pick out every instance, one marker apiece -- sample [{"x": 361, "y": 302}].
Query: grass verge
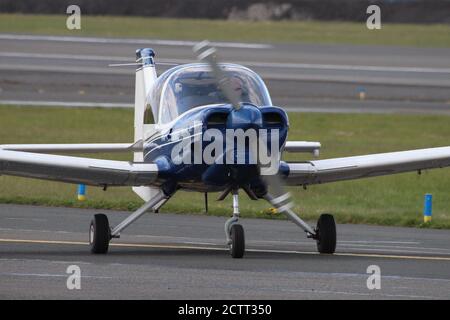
[
  {"x": 392, "y": 200},
  {"x": 433, "y": 35}
]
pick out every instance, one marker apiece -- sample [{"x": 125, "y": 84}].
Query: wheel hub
[{"x": 91, "y": 234}]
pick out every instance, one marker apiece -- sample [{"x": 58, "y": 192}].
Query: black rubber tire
[
  {"x": 326, "y": 234},
  {"x": 237, "y": 247},
  {"x": 99, "y": 234}
]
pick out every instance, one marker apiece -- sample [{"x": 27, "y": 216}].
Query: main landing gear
[
  {"x": 325, "y": 231},
  {"x": 100, "y": 232},
  {"x": 326, "y": 234}
]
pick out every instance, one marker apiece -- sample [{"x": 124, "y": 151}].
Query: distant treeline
[{"x": 404, "y": 11}]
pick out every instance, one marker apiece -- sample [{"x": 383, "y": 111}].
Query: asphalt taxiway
[
  {"x": 169, "y": 256},
  {"x": 71, "y": 71},
  {"x": 166, "y": 256}
]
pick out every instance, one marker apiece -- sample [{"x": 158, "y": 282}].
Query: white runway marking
[
  {"x": 305, "y": 274},
  {"x": 381, "y": 242},
  {"x": 375, "y": 294},
  {"x": 64, "y": 56},
  {"x": 67, "y": 104},
  {"x": 47, "y": 275},
  {"x": 346, "y": 67},
  {"x": 403, "y": 251},
  {"x": 45, "y": 261},
  {"x": 24, "y": 37},
  {"x": 374, "y": 247},
  {"x": 32, "y": 230},
  {"x": 26, "y": 219},
  {"x": 283, "y": 65},
  {"x": 66, "y": 69},
  {"x": 205, "y": 248},
  {"x": 266, "y": 73},
  {"x": 389, "y": 247}
]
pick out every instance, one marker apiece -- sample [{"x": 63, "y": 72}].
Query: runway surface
[
  {"x": 301, "y": 77},
  {"x": 166, "y": 256}
]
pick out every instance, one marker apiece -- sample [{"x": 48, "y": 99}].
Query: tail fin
[
  {"x": 145, "y": 79},
  {"x": 143, "y": 114}
]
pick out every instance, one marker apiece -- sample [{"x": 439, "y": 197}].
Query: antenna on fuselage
[{"x": 140, "y": 64}]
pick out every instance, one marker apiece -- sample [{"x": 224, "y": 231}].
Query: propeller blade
[
  {"x": 208, "y": 54},
  {"x": 276, "y": 192}
]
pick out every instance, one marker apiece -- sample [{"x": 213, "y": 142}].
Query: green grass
[
  {"x": 391, "y": 200},
  {"x": 433, "y": 35}
]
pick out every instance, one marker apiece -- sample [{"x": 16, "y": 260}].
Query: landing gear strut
[
  {"x": 100, "y": 232},
  {"x": 235, "y": 232},
  {"x": 325, "y": 232}
]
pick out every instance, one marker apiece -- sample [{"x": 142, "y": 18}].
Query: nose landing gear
[{"x": 234, "y": 232}]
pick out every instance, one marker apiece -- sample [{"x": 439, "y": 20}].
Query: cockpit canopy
[{"x": 188, "y": 86}]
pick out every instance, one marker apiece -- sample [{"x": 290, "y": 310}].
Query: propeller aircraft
[{"x": 207, "y": 127}]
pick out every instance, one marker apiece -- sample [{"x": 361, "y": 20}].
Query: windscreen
[{"x": 193, "y": 86}]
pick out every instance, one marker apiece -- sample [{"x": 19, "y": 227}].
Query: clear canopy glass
[{"x": 185, "y": 87}]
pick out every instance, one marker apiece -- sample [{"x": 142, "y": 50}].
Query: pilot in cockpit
[
  {"x": 199, "y": 91},
  {"x": 237, "y": 85}
]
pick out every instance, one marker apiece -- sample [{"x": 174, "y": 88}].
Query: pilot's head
[
  {"x": 239, "y": 88},
  {"x": 237, "y": 84}
]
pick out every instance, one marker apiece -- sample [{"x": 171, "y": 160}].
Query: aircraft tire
[
  {"x": 237, "y": 247},
  {"x": 326, "y": 234},
  {"x": 99, "y": 234}
]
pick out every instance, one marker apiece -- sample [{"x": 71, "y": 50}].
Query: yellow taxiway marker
[{"x": 168, "y": 246}]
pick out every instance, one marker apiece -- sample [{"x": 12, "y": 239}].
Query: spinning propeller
[
  {"x": 275, "y": 191},
  {"x": 208, "y": 54}
]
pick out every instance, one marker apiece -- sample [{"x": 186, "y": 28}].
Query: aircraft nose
[{"x": 248, "y": 116}]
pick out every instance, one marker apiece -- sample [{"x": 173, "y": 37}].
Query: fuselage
[
  {"x": 201, "y": 142},
  {"x": 191, "y": 130}
]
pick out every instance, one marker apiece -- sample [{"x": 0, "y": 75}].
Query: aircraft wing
[
  {"x": 330, "y": 170},
  {"x": 75, "y": 147},
  {"x": 76, "y": 169}
]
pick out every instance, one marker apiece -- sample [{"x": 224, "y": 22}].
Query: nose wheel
[
  {"x": 234, "y": 232},
  {"x": 99, "y": 234},
  {"x": 326, "y": 234},
  {"x": 237, "y": 245}
]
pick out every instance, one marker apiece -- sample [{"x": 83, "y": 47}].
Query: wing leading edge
[
  {"x": 75, "y": 147},
  {"x": 76, "y": 169},
  {"x": 356, "y": 167}
]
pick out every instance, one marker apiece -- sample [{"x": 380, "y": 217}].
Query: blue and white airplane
[{"x": 186, "y": 101}]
